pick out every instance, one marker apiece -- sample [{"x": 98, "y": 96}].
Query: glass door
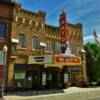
[
  {"x": 29, "y": 76},
  {"x": 35, "y": 80}
]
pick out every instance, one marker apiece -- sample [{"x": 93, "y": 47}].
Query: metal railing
[{"x": 29, "y": 92}]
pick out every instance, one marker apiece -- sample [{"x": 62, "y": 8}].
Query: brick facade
[{"x": 33, "y": 24}]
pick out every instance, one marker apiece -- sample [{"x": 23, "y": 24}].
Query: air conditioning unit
[
  {"x": 30, "y": 22},
  {"x": 23, "y": 20},
  {"x": 14, "y": 40},
  {"x": 16, "y": 18},
  {"x": 42, "y": 44}
]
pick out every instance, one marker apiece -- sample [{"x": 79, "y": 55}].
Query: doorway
[
  {"x": 35, "y": 82},
  {"x": 32, "y": 79},
  {"x": 54, "y": 78}
]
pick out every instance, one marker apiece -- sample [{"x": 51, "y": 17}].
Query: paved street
[
  {"x": 87, "y": 95},
  {"x": 82, "y": 96},
  {"x": 79, "y": 96}
]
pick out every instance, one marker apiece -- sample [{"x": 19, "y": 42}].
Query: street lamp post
[
  {"x": 84, "y": 77},
  {"x": 5, "y": 49}
]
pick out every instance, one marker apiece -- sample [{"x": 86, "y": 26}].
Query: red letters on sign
[
  {"x": 67, "y": 59},
  {"x": 63, "y": 32}
]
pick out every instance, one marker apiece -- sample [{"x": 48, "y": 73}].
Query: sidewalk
[{"x": 70, "y": 90}]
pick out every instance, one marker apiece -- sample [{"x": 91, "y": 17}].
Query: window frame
[
  {"x": 5, "y": 30},
  {"x": 57, "y": 47},
  {"x": 49, "y": 45},
  {"x": 24, "y": 45},
  {"x": 37, "y": 46}
]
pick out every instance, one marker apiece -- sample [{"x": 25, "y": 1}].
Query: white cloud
[
  {"x": 85, "y": 12},
  {"x": 81, "y": 13},
  {"x": 56, "y": 8},
  {"x": 90, "y": 38},
  {"x": 87, "y": 39}
]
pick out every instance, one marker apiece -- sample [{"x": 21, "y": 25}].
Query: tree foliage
[{"x": 93, "y": 61}]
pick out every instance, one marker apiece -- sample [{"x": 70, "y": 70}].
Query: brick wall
[{"x": 43, "y": 31}]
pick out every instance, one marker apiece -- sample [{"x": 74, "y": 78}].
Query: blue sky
[{"x": 78, "y": 11}]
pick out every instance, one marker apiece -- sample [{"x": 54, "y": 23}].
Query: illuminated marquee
[{"x": 68, "y": 60}]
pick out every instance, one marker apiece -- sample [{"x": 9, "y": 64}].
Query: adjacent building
[
  {"x": 44, "y": 56},
  {"x": 6, "y": 17}
]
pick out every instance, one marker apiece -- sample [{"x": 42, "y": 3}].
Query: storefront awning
[{"x": 53, "y": 65}]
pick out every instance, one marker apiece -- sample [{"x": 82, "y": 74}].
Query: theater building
[
  {"x": 6, "y": 16},
  {"x": 39, "y": 52}
]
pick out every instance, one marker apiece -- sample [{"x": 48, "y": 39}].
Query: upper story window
[
  {"x": 48, "y": 46},
  {"x": 78, "y": 49},
  {"x": 35, "y": 42},
  {"x": 2, "y": 30},
  {"x": 57, "y": 47},
  {"x": 71, "y": 47},
  {"x": 22, "y": 40}
]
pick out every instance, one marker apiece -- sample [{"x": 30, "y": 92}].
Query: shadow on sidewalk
[{"x": 32, "y": 92}]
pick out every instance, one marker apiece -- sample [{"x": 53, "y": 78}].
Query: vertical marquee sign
[{"x": 63, "y": 31}]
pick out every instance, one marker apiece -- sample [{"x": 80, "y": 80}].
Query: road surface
[
  {"x": 94, "y": 95},
  {"x": 71, "y": 93}
]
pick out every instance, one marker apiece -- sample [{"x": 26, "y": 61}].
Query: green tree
[{"x": 93, "y": 61}]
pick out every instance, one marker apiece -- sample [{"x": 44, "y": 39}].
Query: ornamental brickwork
[{"x": 32, "y": 24}]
